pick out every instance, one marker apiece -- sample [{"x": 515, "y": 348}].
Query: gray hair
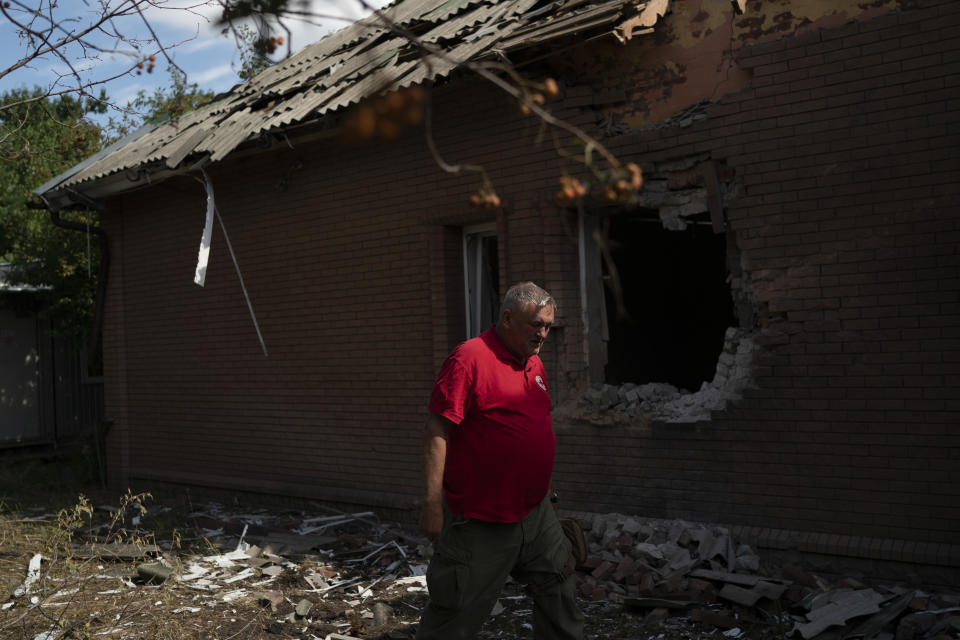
[{"x": 520, "y": 295}]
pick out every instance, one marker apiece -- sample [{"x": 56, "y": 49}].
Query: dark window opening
[{"x": 676, "y": 297}]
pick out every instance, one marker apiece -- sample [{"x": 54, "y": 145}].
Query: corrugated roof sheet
[{"x": 347, "y": 66}]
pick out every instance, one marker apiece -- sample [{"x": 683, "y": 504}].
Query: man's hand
[{"x": 431, "y": 521}]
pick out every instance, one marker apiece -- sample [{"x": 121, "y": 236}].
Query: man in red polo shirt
[{"x": 488, "y": 457}]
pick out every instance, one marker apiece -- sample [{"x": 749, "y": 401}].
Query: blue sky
[{"x": 210, "y": 59}]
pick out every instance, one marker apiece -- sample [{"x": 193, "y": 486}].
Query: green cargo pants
[{"x": 472, "y": 561}]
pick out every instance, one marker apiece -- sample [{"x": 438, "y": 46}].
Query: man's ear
[{"x": 505, "y": 318}]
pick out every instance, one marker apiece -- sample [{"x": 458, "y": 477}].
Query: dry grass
[{"x": 82, "y": 589}]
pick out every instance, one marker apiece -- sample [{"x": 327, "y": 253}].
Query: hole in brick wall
[
  {"x": 683, "y": 345},
  {"x": 677, "y": 302}
]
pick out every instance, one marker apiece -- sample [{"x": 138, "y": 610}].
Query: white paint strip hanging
[
  {"x": 205, "y": 253},
  {"x": 204, "y": 256}
]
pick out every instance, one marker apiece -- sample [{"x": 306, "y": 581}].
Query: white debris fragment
[
  {"x": 415, "y": 580},
  {"x": 194, "y": 571},
  {"x": 230, "y": 596},
  {"x": 260, "y": 583},
  {"x": 246, "y": 573},
  {"x": 204, "y": 584},
  {"x": 241, "y": 545},
  {"x": 33, "y": 574}
]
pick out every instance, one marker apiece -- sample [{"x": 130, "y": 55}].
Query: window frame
[{"x": 473, "y": 308}]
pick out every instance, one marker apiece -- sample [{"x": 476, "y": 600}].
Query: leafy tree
[
  {"x": 253, "y": 56},
  {"x": 44, "y": 136},
  {"x": 40, "y": 137}
]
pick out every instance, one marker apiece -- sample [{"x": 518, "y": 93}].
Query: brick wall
[{"x": 846, "y": 221}]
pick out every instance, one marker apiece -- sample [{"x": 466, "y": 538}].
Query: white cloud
[
  {"x": 186, "y": 17},
  {"x": 209, "y": 75},
  {"x": 202, "y": 45}
]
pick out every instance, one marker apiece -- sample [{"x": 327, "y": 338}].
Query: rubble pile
[
  {"x": 238, "y": 575},
  {"x": 666, "y": 403},
  {"x": 342, "y": 576},
  {"x": 669, "y": 569}
]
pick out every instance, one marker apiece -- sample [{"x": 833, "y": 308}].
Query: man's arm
[{"x": 434, "y": 457}]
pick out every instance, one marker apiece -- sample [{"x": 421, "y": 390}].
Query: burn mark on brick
[{"x": 750, "y": 28}]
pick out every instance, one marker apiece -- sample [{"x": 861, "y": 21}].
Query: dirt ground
[
  {"x": 94, "y": 564},
  {"x": 95, "y": 578}
]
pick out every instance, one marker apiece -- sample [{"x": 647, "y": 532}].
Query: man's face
[{"x": 524, "y": 331}]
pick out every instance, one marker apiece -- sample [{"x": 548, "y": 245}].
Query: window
[{"x": 481, "y": 277}]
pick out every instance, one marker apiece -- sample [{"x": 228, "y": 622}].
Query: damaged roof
[{"x": 341, "y": 69}]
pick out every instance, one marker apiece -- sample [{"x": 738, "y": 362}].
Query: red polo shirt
[{"x": 500, "y": 453}]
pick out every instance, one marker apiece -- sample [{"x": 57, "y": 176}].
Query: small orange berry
[
  {"x": 550, "y": 87},
  {"x": 413, "y": 95},
  {"x": 363, "y": 123},
  {"x": 636, "y": 176},
  {"x": 387, "y": 129}
]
